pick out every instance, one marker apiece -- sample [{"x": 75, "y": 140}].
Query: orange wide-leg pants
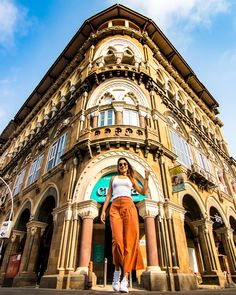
[{"x": 125, "y": 234}]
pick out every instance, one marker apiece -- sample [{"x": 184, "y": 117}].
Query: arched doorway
[
  {"x": 17, "y": 244},
  {"x": 218, "y": 228},
  {"x": 105, "y": 165},
  {"x": 224, "y": 244},
  {"x": 45, "y": 216},
  {"x": 193, "y": 214},
  {"x": 232, "y": 222}
]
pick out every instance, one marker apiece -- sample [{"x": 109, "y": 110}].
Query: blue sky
[{"x": 34, "y": 33}]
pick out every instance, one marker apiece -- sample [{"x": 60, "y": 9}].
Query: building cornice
[{"x": 85, "y": 37}]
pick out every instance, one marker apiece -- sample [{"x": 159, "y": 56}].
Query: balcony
[
  {"x": 202, "y": 177},
  {"x": 117, "y": 136}
]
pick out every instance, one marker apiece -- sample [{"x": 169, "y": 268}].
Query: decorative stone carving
[
  {"x": 148, "y": 208},
  {"x": 62, "y": 126},
  {"x": 33, "y": 230},
  {"x": 88, "y": 209}
]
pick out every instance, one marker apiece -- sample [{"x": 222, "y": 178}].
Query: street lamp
[{"x": 5, "y": 229}]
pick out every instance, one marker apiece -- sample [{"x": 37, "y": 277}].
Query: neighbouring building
[{"x": 119, "y": 88}]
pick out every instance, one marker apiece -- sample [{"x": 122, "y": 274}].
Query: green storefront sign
[{"x": 100, "y": 190}]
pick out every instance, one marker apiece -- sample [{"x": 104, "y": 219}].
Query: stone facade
[{"x": 118, "y": 89}]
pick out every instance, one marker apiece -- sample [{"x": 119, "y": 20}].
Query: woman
[{"x": 124, "y": 223}]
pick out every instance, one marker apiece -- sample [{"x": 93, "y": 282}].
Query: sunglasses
[{"x": 122, "y": 164}]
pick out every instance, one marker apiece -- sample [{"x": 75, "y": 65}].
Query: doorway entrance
[{"x": 102, "y": 252}]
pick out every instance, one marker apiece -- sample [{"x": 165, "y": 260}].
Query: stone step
[{"x": 211, "y": 287}]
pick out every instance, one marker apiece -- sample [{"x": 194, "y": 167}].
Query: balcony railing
[
  {"x": 122, "y": 134},
  {"x": 202, "y": 177}
]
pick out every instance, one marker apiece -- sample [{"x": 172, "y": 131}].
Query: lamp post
[{"x": 6, "y": 226}]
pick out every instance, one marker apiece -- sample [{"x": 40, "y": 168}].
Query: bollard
[
  {"x": 105, "y": 272},
  {"x": 130, "y": 280}
]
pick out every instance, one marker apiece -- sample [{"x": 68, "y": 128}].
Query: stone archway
[
  {"x": 38, "y": 241},
  {"x": 15, "y": 245},
  {"x": 232, "y": 222},
  {"x": 105, "y": 164},
  {"x": 193, "y": 215},
  {"x": 45, "y": 217},
  {"x": 224, "y": 242}
]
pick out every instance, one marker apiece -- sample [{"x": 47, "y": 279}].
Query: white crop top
[{"x": 121, "y": 187}]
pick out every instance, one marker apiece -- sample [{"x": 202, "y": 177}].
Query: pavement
[{"x": 108, "y": 290}]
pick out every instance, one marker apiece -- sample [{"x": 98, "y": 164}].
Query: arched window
[
  {"x": 222, "y": 181},
  {"x": 119, "y": 49},
  {"x": 179, "y": 143},
  {"x": 201, "y": 158},
  {"x": 117, "y": 102}
]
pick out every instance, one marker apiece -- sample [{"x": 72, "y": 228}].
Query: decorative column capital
[
  {"x": 68, "y": 213},
  {"x": 228, "y": 232},
  {"x": 142, "y": 113},
  {"x": 95, "y": 113},
  {"x": 118, "y": 106},
  {"x": 204, "y": 224},
  {"x": 34, "y": 225},
  {"x": 15, "y": 233},
  {"x": 88, "y": 209},
  {"x": 148, "y": 208}
]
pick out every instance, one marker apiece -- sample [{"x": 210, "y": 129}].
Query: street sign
[{"x": 5, "y": 230}]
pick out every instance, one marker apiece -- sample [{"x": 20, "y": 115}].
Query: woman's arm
[
  {"x": 142, "y": 190},
  {"x": 107, "y": 201}
]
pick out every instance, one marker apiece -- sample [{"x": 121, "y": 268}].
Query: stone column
[
  {"x": 118, "y": 107},
  {"x": 95, "y": 119},
  {"x": 153, "y": 278},
  {"x": 152, "y": 98},
  {"x": 64, "y": 241},
  {"x": 73, "y": 239},
  {"x": 142, "y": 116},
  {"x": 173, "y": 249},
  {"x": 228, "y": 244},
  {"x": 212, "y": 272},
  {"x": 87, "y": 210},
  {"x": 27, "y": 275},
  {"x": 183, "y": 277}
]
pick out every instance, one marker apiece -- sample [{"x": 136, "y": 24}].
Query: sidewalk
[{"x": 108, "y": 290}]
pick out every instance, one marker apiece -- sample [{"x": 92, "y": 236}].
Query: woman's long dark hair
[{"x": 130, "y": 172}]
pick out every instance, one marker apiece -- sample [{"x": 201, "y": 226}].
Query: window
[
  {"x": 222, "y": 182},
  {"x": 106, "y": 118},
  {"x": 34, "y": 170},
  {"x": 18, "y": 182},
  {"x": 181, "y": 149},
  {"x": 55, "y": 152},
  {"x": 130, "y": 118},
  {"x": 203, "y": 161}
]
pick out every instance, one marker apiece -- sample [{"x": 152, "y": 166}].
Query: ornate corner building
[{"x": 119, "y": 88}]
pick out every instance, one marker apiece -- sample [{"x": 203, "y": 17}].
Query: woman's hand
[
  {"x": 147, "y": 173},
  {"x": 103, "y": 217}
]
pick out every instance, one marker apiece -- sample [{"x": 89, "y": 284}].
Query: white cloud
[
  {"x": 169, "y": 13},
  {"x": 11, "y": 17}
]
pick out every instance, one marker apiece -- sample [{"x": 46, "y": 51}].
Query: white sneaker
[
  {"x": 116, "y": 281},
  {"x": 124, "y": 285}
]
